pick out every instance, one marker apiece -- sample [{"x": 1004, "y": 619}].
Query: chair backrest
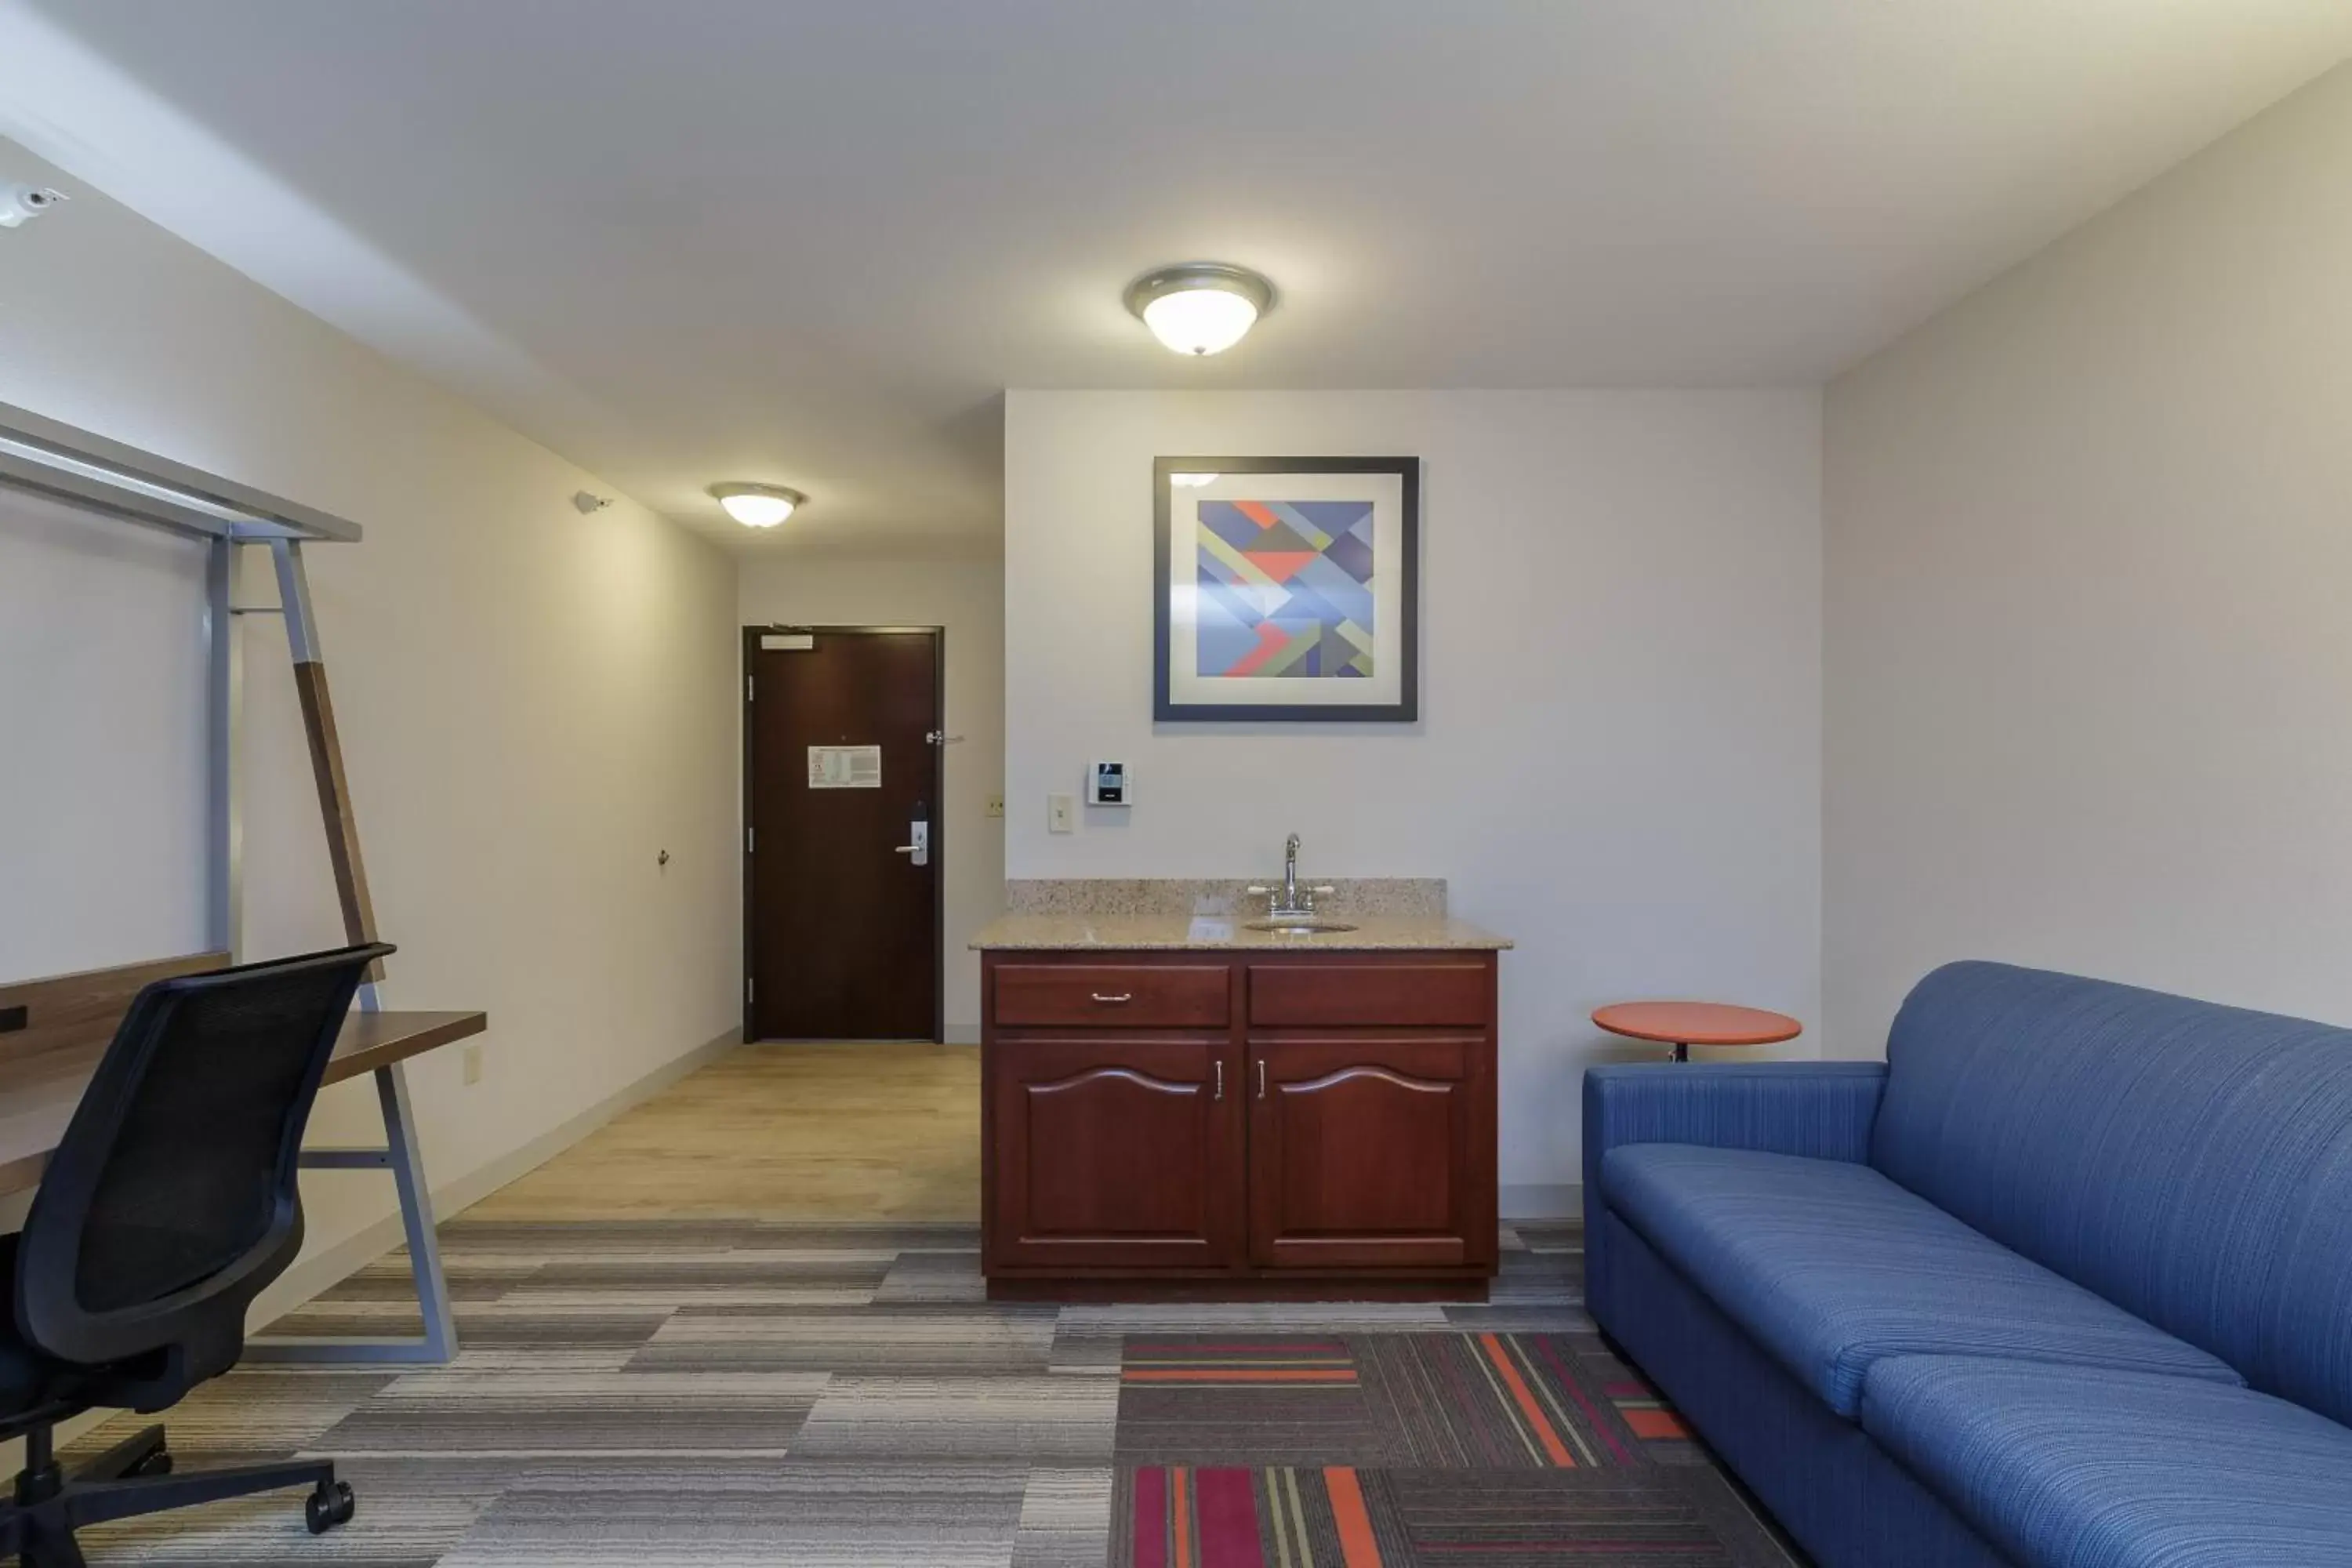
[
  {"x": 2188, "y": 1162},
  {"x": 173, "y": 1197}
]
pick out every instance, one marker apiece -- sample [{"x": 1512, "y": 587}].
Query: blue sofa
[{"x": 2066, "y": 1281}]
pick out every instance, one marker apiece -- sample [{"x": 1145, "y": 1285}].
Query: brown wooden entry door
[{"x": 842, "y": 773}]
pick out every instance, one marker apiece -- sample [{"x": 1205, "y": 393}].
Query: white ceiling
[{"x": 808, "y": 242}]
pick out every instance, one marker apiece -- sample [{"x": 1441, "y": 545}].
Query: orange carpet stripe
[
  {"x": 1652, "y": 1423},
  {"x": 1213, "y": 1374},
  {"x": 1524, "y": 1396},
  {"x": 1357, "y": 1547}
]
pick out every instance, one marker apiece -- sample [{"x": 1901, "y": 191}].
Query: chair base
[{"x": 134, "y": 1478}]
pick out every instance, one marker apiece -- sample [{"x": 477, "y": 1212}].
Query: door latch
[{"x": 920, "y": 832}]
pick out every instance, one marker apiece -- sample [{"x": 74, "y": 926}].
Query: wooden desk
[
  {"x": 39, "y": 1091},
  {"x": 54, "y": 1032}
]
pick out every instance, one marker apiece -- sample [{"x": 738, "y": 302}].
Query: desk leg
[{"x": 399, "y": 1154}]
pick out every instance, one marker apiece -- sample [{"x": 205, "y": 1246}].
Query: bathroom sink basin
[{"x": 1301, "y": 927}]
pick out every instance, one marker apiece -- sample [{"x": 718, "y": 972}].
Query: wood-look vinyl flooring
[{"x": 803, "y": 1131}]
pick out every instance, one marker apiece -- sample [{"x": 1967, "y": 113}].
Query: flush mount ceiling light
[
  {"x": 757, "y": 506},
  {"x": 1202, "y": 307}
]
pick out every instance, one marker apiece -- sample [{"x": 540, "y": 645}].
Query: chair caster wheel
[
  {"x": 158, "y": 1463},
  {"x": 329, "y": 1507}
]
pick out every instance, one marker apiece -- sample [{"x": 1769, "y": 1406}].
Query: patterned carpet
[{"x": 726, "y": 1392}]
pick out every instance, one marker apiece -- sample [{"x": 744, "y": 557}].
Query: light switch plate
[
  {"x": 1061, "y": 813},
  {"x": 473, "y": 1058}
]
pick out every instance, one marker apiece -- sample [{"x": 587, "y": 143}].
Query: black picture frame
[{"x": 1406, "y": 710}]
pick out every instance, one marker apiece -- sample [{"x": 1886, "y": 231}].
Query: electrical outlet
[
  {"x": 1061, "y": 813},
  {"x": 996, "y": 805},
  {"x": 473, "y": 1060}
]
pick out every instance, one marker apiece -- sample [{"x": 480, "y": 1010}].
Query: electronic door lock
[{"x": 920, "y": 832}]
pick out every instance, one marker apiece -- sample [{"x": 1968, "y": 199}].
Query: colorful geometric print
[
  {"x": 1405, "y": 1450},
  {"x": 1285, "y": 589},
  {"x": 1344, "y": 1516}
]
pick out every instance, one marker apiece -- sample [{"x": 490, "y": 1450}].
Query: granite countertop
[
  {"x": 1110, "y": 914},
  {"x": 1140, "y": 933}
]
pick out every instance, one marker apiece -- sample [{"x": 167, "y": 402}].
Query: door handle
[
  {"x": 1261, "y": 1078},
  {"x": 920, "y": 832},
  {"x": 1220, "y": 1078}
]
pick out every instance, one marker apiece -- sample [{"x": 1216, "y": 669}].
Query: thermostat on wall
[{"x": 1108, "y": 785}]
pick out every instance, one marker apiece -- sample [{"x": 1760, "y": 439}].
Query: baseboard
[
  {"x": 962, "y": 1034},
  {"x": 314, "y": 1275},
  {"x": 1563, "y": 1200}
]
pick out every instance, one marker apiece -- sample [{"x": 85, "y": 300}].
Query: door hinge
[
  {"x": 751, "y": 687},
  {"x": 749, "y": 992},
  {"x": 749, "y": 834}
]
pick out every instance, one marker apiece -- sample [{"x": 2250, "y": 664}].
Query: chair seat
[
  {"x": 2088, "y": 1468},
  {"x": 29, "y": 1381},
  {"x": 1832, "y": 1267}
]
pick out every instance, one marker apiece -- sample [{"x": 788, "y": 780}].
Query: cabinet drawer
[
  {"x": 1158, "y": 996},
  {"x": 1302, "y": 996}
]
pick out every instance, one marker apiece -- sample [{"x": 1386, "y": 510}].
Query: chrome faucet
[{"x": 1290, "y": 901}]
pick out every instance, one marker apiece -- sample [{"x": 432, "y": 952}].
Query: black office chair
[{"x": 170, "y": 1203}]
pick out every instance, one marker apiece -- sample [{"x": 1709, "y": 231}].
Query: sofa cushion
[
  {"x": 1831, "y": 1267},
  {"x": 2190, "y": 1163},
  {"x": 2087, "y": 1468}
]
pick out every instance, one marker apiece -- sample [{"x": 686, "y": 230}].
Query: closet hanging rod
[{"x": 48, "y": 457}]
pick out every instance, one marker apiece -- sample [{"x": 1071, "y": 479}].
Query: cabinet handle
[
  {"x": 1114, "y": 1000},
  {"x": 1261, "y": 1078},
  {"x": 1220, "y": 1078}
]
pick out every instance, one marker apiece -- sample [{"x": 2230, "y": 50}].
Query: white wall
[
  {"x": 1619, "y": 757},
  {"x": 534, "y": 704},
  {"x": 102, "y": 655},
  {"x": 2090, "y": 602},
  {"x": 967, "y": 597}
]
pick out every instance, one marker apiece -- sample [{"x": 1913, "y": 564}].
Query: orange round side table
[{"x": 1683, "y": 1025}]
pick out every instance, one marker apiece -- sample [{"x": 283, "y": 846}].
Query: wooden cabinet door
[
  {"x": 1372, "y": 1153},
  {"x": 1114, "y": 1153}
]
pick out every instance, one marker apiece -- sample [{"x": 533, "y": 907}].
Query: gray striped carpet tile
[
  {"x": 812, "y": 1513},
  {"x": 534, "y": 1412},
  {"x": 413, "y": 1512},
  {"x": 939, "y": 1276},
  {"x": 1064, "y": 1519},
  {"x": 1038, "y": 1417},
  {"x": 1085, "y": 1353},
  {"x": 900, "y": 1340},
  {"x": 489, "y": 1325},
  {"x": 1555, "y": 1235}
]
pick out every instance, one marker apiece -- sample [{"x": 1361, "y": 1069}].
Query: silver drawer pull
[
  {"x": 1220, "y": 1078},
  {"x": 1114, "y": 1000}
]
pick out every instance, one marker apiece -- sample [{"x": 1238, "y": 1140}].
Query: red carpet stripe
[
  {"x": 1228, "y": 1510},
  {"x": 1150, "y": 1518},
  {"x": 1591, "y": 1416}
]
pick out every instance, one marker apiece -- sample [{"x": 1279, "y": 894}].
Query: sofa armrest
[{"x": 1822, "y": 1111}]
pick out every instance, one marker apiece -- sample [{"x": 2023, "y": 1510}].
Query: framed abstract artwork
[{"x": 1286, "y": 588}]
